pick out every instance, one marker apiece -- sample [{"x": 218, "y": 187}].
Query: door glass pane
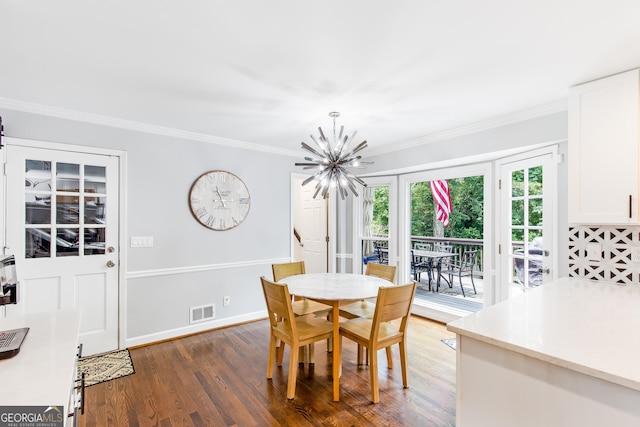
[
  {"x": 67, "y": 242},
  {"x": 535, "y": 181},
  {"x": 94, "y": 210},
  {"x": 68, "y": 177},
  {"x": 517, "y": 212},
  {"x": 535, "y": 212},
  {"x": 37, "y": 213},
  {"x": 94, "y": 179},
  {"x": 94, "y": 241},
  {"x": 517, "y": 183},
  {"x": 37, "y": 242},
  {"x": 68, "y": 210}
]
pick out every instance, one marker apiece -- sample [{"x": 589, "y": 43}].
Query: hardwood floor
[{"x": 218, "y": 378}]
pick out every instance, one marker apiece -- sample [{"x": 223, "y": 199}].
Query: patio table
[{"x": 436, "y": 256}]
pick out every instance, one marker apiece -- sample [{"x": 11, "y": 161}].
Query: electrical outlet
[
  {"x": 594, "y": 252},
  {"x": 226, "y": 302},
  {"x": 635, "y": 254}
]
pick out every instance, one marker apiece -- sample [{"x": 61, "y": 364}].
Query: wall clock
[{"x": 219, "y": 200}]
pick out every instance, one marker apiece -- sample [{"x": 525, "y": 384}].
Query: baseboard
[{"x": 193, "y": 329}]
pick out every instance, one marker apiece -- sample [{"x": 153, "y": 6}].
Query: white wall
[{"x": 189, "y": 265}]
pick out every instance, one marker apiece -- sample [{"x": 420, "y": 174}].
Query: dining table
[
  {"x": 437, "y": 257},
  {"x": 335, "y": 289}
]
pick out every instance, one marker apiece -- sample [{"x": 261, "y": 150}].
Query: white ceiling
[{"x": 269, "y": 72}]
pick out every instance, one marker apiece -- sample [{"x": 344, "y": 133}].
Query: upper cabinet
[{"x": 603, "y": 150}]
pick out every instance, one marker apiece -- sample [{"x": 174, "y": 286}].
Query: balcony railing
[{"x": 458, "y": 246}]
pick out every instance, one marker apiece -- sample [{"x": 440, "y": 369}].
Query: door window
[
  {"x": 65, "y": 200},
  {"x": 527, "y": 221}
]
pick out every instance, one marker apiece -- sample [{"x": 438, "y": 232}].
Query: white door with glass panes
[
  {"x": 526, "y": 191},
  {"x": 62, "y": 227}
]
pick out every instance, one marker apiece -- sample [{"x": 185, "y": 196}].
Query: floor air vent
[{"x": 202, "y": 313}]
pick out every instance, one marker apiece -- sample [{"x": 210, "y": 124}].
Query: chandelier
[{"x": 332, "y": 160}]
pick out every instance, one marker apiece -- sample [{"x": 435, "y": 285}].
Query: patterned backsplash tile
[{"x": 615, "y": 264}]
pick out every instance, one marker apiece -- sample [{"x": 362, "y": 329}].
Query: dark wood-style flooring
[{"x": 218, "y": 378}]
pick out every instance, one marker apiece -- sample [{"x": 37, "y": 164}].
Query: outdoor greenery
[
  {"x": 466, "y": 218},
  {"x": 467, "y": 200}
]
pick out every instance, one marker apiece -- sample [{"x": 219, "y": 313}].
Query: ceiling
[{"x": 269, "y": 72}]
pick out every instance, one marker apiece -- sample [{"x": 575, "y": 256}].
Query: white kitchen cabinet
[{"x": 604, "y": 157}]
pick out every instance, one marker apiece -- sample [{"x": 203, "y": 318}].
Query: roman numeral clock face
[{"x": 219, "y": 200}]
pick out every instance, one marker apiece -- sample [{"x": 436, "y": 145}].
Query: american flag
[{"x": 440, "y": 191}]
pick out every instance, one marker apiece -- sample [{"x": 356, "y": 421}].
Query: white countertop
[
  {"x": 586, "y": 326},
  {"x": 42, "y": 373}
]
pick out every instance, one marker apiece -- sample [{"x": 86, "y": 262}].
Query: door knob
[
  {"x": 111, "y": 249},
  {"x": 111, "y": 264},
  {"x": 544, "y": 270}
]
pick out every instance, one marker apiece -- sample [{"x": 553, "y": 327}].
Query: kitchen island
[{"x": 564, "y": 354}]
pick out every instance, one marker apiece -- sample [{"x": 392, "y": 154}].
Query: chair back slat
[
  {"x": 384, "y": 271},
  {"x": 280, "y": 271},
  {"x": 393, "y": 302},
  {"x": 278, "y": 302}
]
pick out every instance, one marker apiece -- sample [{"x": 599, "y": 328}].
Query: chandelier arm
[
  {"x": 310, "y": 149},
  {"x": 353, "y": 177},
  {"x": 359, "y": 147},
  {"x": 352, "y": 187}
]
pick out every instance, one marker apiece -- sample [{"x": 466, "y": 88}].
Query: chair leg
[
  {"x": 359, "y": 354},
  {"x": 272, "y": 356},
  {"x": 473, "y": 284},
  {"x": 293, "y": 370},
  {"x": 389, "y": 358},
  {"x": 373, "y": 375},
  {"x": 312, "y": 355},
  {"x": 460, "y": 280},
  {"x": 280, "y": 353},
  {"x": 403, "y": 362},
  {"x": 301, "y": 356}
]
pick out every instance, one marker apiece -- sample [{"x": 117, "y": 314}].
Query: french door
[
  {"x": 61, "y": 219},
  {"x": 527, "y": 220}
]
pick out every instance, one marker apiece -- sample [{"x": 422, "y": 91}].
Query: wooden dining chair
[
  {"x": 387, "y": 327},
  {"x": 366, "y": 308},
  {"x": 294, "y": 331},
  {"x": 301, "y": 306}
]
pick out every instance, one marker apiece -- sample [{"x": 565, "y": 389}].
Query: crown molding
[
  {"x": 494, "y": 122},
  {"x": 97, "y": 119},
  {"x": 62, "y": 113}
]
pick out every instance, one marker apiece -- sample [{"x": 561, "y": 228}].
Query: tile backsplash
[{"x": 615, "y": 263}]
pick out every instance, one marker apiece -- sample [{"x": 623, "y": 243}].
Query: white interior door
[
  {"x": 527, "y": 223},
  {"x": 310, "y": 222},
  {"x": 62, "y": 226}
]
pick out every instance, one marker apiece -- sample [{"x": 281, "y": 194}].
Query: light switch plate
[{"x": 141, "y": 241}]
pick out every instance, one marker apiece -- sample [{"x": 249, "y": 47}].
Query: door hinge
[
  {"x": 499, "y": 249},
  {"x": 326, "y": 239},
  {"x": 499, "y": 184}
]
